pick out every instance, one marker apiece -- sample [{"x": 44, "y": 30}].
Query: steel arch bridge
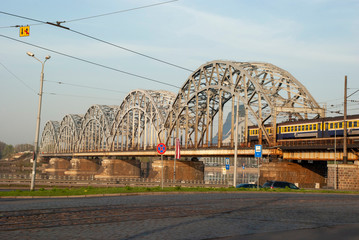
[{"x": 146, "y": 117}]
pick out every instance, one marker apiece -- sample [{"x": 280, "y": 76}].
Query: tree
[
  {"x": 8, "y": 151},
  {"x": 2, "y": 147},
  {"x": 24, "y": 147}
]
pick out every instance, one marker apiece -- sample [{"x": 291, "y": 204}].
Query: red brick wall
[
  {"x": 290, "y": 172},
  {"x": 347, "y": 176}
]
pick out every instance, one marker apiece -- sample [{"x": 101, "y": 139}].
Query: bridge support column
[
  {"x": 304, "y": 175},
  {"x": 120, "y": 168},
  {"x": 347, "y": 176},
  {"x": 185, "y": 170},
  {"x": 57, "y": 166},
  {"x": 81, "y": 167}
]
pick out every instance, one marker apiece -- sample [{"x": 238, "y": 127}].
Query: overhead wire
[
  {"x": 84, "y": 86},
  {"x": 93, "y": 63},
  {"x": 121, "y": 11},
  {"x": 58, "y": 24},
  {"x": 79, "y": 96},
  {"x": 17, "y": 78},
  {"x": 95, "y": 16}
]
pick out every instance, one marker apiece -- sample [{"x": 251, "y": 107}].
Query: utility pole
[
  {"x": 236, "y": 145},
  {"x": 345, "y": 150},
  {"x": 36, "y": 152}
]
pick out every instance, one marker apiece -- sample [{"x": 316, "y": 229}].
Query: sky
[{"x": 315, "y": 40}]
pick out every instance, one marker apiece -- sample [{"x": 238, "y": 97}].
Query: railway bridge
[{"x": 112, "y": 139}]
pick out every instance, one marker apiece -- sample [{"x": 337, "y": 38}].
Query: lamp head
[
  {"x": 47, "y": 57},
  {"x": 30, "y": 54}
]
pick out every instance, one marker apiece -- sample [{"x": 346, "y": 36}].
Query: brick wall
[
  {"x": 347, "y": 176},
  {"x": 290, "y": 172}
]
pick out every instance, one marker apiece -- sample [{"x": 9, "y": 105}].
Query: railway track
[{"x": 49, "y": 218}]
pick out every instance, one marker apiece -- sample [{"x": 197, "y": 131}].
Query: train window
[
  {"x": 295, "y": 128},
  {"x": 350, "y": 124},
  {"x": 291, "y": 128},
  {"x": 336, "y": 125},
  {"x": 315, "y": 127},
  {"x": 355, "y": 123},
  {"x": 340, "y": 125},
  {"x": 310, "y": 126},
  {"x": 331, "y": 126},
  {"x": 306, "y": 127}
]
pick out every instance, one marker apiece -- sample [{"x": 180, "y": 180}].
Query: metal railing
[{"x": 64, "y": 180}]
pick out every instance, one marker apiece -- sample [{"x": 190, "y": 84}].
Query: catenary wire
[
  {"x": 100, "y": 40},
  {"x": 17, "y": 78},
  {"x": 84, "y": 86},
  {"x": 121, "y": 11},
  {"x": 93, "y": 63},
  {"x": 84, "y": 18},
  {"x": 79, "y": 96}
]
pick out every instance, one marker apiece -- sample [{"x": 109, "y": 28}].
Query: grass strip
[{"x": 115, "y": 190}]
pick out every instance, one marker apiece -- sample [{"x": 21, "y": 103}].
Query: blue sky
[{"x": 315, "y": 40}]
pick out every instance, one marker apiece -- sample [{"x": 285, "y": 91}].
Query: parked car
[
  {"x": 279, "y": 184},
  {"x": 247, "y": 185}
]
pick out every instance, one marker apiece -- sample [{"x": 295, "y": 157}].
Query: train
[{"x": 313, "y": 128}]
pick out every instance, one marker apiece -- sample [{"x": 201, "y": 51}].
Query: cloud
[{"x": 274, "y": 37}]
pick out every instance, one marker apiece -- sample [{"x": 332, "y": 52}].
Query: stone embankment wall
[
  {"x": 347, "y": 176},
  {"x": 291, "y": 172}
]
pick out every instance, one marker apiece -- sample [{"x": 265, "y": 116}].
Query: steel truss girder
[
  {"x": 140, "y": 118},
  {"x": 95, "y": 128},
  {"x": 146, "y": 117},
  {"x": 70, "y": 128},
  {"x": 266, "y": 91},
  {"x": 49, "y": 136}
]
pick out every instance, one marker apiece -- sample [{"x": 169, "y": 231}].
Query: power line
[
  {"x": 79, "y": 96},
  {"x": 93, "y": 63},
  {"x": 121, "y": 11},
  {"x": 83, "y": 86},
  {"x": 129, "y": 50},
  {"x": 16, "y": 77},
  {"x": 58, "y": 24},
  {"x": 84, "y": 18}
]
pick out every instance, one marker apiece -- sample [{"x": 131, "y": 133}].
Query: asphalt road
[{"x": 243, "y": 215}]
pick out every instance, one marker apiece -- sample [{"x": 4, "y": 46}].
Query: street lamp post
[
  {"x": 32, "y": 187},
  {"x": 335, "y": 157}
]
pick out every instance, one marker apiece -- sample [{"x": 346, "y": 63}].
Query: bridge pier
[
  {"x": 185, "y": 170},
  {"x": 57, "y": 166},
  {"x": 347, "y": 176},
  {"x": 129, "y": 168},
  {"x": 82, "y": 166},
  {"x": 303, "y": 174}
]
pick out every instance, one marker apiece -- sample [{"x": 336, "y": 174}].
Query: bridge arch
[
  {"x": 95, "y": 128},
  {"x": 139, "y": 119},
  {"x": 267, "y": 92},
  {"x": 70, "y": 129},
  {"x": 49, "y": 137}
]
